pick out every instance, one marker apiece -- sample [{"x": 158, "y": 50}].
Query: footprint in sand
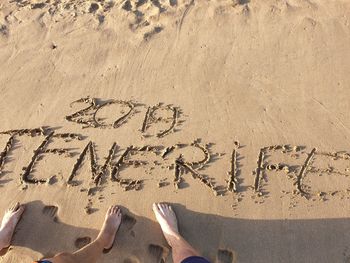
[
  {"x": 147, "y": 36},
  {"x": 4, "y": 30},
  {"x": 225, "y": 256},
  {"x": 242, "y": 2},
  {"x": 51, "y": 211},
  {"x": 82, "y": 242},
  {"x": 37, "y": 5},
  {"x": 158, "y": 253},
  {"x": 64, "y": 8}
]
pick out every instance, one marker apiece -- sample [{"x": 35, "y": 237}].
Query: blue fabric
[
  {"x": 44, "y": 261},
  {"x": 195, "y": 259}
]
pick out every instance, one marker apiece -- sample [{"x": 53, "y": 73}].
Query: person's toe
[
  {"x": 109, "y": 211},
  {"x": 163, "y": 208},
  {"x": 14, "y": 207},
  {"x": 166, "y": 207},
  {"x": 19, "y": 210},
  {"x": 119, "y": 213},
  {"x": 160, "y": 208},
  {"x": 155, "y": 209}
]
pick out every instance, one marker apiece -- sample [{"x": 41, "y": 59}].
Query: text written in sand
[{"x": 168, "y": 117}]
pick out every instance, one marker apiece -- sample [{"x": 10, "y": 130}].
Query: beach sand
[{"x": 244, "y": 106}]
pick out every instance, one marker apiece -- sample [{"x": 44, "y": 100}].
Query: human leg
[
  {"x": 182, "y": 251},
  {"x": 91, "y": 252},
  {"x": 8, "y": 225}
]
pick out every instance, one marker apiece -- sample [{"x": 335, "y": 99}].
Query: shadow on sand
[{"x": 221, "y": 239}]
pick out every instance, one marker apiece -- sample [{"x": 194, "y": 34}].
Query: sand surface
[{"x": 244, "y": 106}]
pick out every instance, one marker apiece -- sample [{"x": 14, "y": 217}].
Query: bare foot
[
  {"x": 167, "y": 219},
  {"x": 8, "y": 224},
  {"x": 110, "y": 227}
]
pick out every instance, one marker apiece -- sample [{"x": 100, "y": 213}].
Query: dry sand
[{"x": 267, "y": 80}]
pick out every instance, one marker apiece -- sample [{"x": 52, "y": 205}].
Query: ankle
[
  {"x": 174, "y": 240},
  {"x": 99, "y": 242}
]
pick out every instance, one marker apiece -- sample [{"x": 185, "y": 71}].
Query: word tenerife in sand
[{"x": 113, "y": 164}]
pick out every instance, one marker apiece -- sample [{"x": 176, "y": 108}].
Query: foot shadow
[
  {"x": 224, "y": 239},
  {"x": 41, "y": 231},
  {"x": 220, "y": 239}
]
